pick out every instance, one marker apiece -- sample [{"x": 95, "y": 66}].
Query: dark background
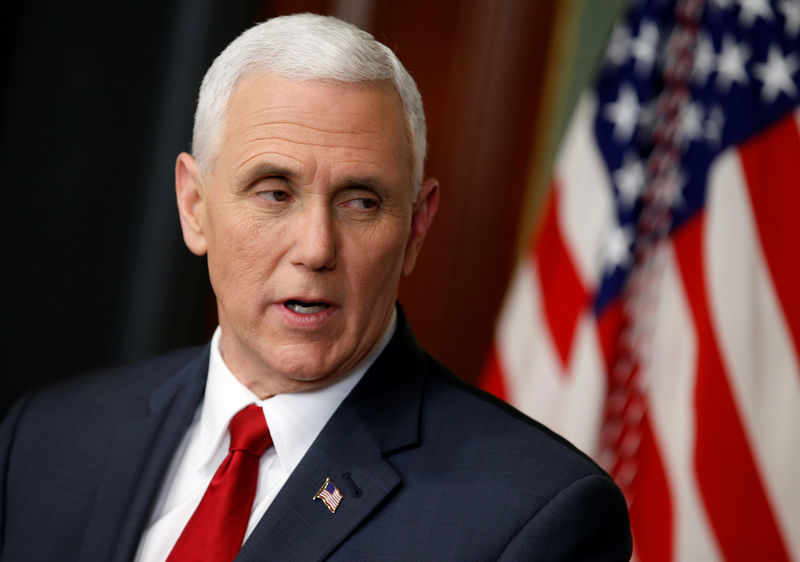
[{"x": 97, "y": 100}]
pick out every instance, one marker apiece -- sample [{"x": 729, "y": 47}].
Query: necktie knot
[{"x": 249, "y": 431}]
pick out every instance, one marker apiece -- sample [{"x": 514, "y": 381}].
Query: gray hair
[{"x": 303, "y": 47}]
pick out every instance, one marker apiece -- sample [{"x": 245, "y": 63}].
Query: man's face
[{"x": 309, "y": 220}]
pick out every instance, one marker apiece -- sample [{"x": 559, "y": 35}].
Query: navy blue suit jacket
[{"x": 430, "y": 469}]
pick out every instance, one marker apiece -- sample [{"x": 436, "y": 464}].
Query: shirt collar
[{"x": 294, "y": 419}]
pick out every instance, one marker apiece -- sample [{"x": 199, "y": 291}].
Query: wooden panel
[{"x": 478, "y": 65}]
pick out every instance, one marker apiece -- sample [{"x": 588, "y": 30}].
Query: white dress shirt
[{"x": 294, "y": 421}]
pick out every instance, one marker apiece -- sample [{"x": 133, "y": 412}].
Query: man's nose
[{"x": 314, "y": 236}]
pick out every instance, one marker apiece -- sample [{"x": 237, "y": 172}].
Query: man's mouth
[{"x": 301, "y": 307}]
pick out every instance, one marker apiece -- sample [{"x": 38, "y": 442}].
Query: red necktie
[{"x": 216, "y": 530}]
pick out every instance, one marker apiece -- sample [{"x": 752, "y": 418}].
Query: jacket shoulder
[
  {"x": 58, "y": 443},
  {"x": 503, "y": 431},
  {"x": 122, "y": 388},
  {"x": 507, "y": 486}
]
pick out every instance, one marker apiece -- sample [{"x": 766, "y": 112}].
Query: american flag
[
  {"x": 330, "y": 495},
  {"x": 655, "y": 319}
]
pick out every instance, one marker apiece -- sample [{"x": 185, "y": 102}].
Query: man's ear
[
  {"x": 190, "y": 191},
  {"x": 424, "y": 210}
]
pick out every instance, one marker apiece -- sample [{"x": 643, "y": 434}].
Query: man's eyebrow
[
  {"x": 249, "y": 175},
  {"x": 362, "y": 182},
  {"x": 258, "y": 171}
]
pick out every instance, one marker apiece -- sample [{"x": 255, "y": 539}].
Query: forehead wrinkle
[
  {"x": 368, "y": 146},
  {"x": 346, "y": 125},
  {"x": 293, "y": 116},
  {"x": 262, "y": 153},
  {"x": 363, "y": 136},
  {"x": 366, "y": 168},
  {"x": 354, "y": 152}
]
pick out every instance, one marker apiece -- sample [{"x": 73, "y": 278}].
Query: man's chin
[{"x": 302, "y": 369}]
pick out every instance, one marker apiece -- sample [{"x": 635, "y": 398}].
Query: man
[{"x": 305, "y": 191}]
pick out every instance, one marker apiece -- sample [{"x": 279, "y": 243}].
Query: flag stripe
[
  {"x": 564, "y": 298},
  {"x": 771, "y": 163},
  {"x": 584, "y": 214},
  {"x": 525, "y": 349},
  {"x": 723, "y": 458},
  {"x": 525, "y": 355},
  {"x": 609, "y": 326},
  {"x": 580, "y": 409},
  {"x": 754, "y": 341},
  {"x": 670, "y": 376},
  {"x": 651, "y": 510}
]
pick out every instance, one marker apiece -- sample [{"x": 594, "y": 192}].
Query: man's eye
[
  {"x": 362, "y": 203},
  {"x": 277, "y": 196}
]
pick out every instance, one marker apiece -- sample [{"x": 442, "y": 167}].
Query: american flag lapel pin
[{"x": 330, "y": 495}]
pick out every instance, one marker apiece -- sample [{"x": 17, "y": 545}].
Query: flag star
[
  {"x": 704, "y": 60},
  {"x": 750, "y": 10},
  {"x": 630, "y": 180},
  {"x": 791, "y": 11},
  {"x": 691, "y": 122},
  {"x": 643, "y": 47},
  {"x": 714, "y": 126},
  {"x": 623, "y": 113},
  {"x": 731, "y": 64},
  {"x": 617, "y": 250},
  {"x": 776, "y": 75},
  {"x": 619, "y": 46}
]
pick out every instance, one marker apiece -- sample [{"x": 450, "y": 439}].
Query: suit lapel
[
  {"x": 295, "y": 527},
  {"x": 380, "y": 415},
  {"x": 138, "y": 457}
]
